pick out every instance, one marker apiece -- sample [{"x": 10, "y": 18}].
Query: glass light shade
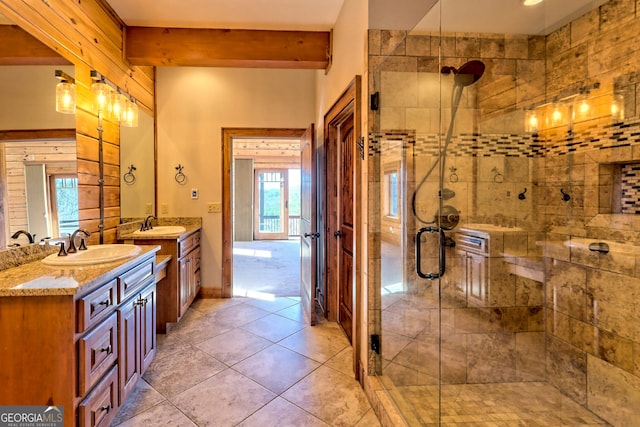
[
  {"x": 531, "y": 2},
  {"x": 130, "y": 117},
  {"x": 582, "y": 108},
  {"x": 101, "y": 93},
  {"x": 617, "y": 108},
  {"x": 531, "y": 121},
  {"x": 557, "y": 116},
  {"x": 117, "y": 106},
  {"x": 66, "y": 98}
]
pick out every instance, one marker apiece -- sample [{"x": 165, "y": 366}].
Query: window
[
  {"x": 64, "y": 204},
  {"x": 391, "y": 202}
]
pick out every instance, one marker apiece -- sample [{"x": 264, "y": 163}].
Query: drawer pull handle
[
  {"x": 141, "y": 301},
  {"x": 106, "y": 349},
  {"x": 105, "y": 408},
  {"x": 105, "y": 302}
]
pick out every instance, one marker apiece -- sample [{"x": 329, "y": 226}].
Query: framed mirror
[
  {"x": 137, "y": 168},
  {"x": 38, "y": 156}
]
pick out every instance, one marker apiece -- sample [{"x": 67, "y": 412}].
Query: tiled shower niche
[{"x": 619, "y": 191}]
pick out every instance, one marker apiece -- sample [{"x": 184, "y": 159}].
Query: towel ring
[
  {"x": 180, "y": 177},
  {"x": 129, "y": 177},
  {"x": 498, "y": 178}
]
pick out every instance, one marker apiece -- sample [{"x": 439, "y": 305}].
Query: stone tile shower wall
[
  {"x": 592, "y": 331},
  {"x": 593, "y": 325}
]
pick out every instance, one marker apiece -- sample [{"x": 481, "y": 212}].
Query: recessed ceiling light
[{"x": 531, "y": 2}]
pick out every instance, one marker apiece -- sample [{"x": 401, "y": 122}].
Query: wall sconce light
[
  {"x": 617, "y": 108},
  {"x": 65, "y": 93},
  {"x": 558, "y": 115},
  {"x": 109, "y": 98},
  {"x": 117, "y": 105},
  {"x": 130, "y": 116},
  {"x": 531, "y": 2},
  {"x": 582, "y": 107},
  {"x": 531, "y": 121},
  {"x": 101, "y": 92}
]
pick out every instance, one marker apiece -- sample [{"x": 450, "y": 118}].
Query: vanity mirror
[
  {"x": 38, "y": 178},
  {"x": 137, "y": 168}
]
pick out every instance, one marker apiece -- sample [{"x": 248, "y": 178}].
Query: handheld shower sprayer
[{"x": 466, "y": 75}]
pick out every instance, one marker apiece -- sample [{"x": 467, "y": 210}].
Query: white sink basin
[
  {"x": 159, "y": 230},
  {"x": 97, "y": 254}
]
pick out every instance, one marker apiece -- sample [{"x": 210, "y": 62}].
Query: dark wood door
[
  {"x": 308, "y": 234},
  {"x": 345, "y": 252}
]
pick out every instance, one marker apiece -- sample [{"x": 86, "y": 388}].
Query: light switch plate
[
  {"x": 214, "y": 207},
  {"x": 194, "y": 193}
]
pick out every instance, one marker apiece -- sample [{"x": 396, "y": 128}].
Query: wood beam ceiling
[
  {"x": 228, "y": 48},
  {"x": 88, "y": 34},
  {"x": 20, "y": 48}
]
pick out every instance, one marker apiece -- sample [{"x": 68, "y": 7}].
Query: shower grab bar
[{"x": 443, "y": 254}]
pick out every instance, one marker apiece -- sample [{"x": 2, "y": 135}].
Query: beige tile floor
[{"x": 249, "y": 362}]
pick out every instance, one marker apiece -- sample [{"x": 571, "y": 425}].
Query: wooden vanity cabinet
[
  {"x": 179, "y": 288},
  {"x": 83, "y": 352}
]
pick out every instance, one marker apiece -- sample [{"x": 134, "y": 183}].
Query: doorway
[{"x": 261, "y": 213}]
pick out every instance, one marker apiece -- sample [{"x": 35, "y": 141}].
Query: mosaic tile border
[{"x": 610, "y": 136}]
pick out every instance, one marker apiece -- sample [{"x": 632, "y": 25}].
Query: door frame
[
  {"x": 227, "y": 190},
  {"x": 348, "y": 104}
]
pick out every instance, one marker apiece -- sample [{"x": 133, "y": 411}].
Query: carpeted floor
[{"x": 267, "y": 266}]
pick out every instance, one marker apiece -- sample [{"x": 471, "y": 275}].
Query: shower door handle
[{"x": 441, "y": 247}]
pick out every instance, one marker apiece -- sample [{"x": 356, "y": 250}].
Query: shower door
[{"x": 461, "y": 322}]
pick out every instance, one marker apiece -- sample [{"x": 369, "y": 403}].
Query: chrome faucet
[
  {"x": 146, "y": 224},
  {"x": 31, "y": 237},
  {"x": 72, "y": 240}
]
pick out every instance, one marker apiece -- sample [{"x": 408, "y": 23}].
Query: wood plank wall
[
  {"x": 59, "y": 157},
  {"x": 91, "y": 36}
]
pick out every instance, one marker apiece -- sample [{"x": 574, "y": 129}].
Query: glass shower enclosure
[{"x": 503, "y": 160}]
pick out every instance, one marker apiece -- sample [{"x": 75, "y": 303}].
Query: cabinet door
[
  {"x": 477, "y": 274},
  {"x": 147, "y": 327},
  {"x": 194, "y": 274},
  {"x": 128, "y": 315},
  {"x": 184, "y": 284},
  {"x": 459, "y": 275}
]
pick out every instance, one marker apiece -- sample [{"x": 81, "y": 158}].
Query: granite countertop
[
  {"x": 38, "y": 279},
  {"x": 125, "y": 231}
]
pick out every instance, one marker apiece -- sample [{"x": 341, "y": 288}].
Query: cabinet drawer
[
  {"x": 467, "y": 242},
  {"x": 94, "y": 307},
  {"x": 132, "y": 280},
  {"x": 188, "y": 243},
  {"x": 101, "y": 405},
  {"x": 98, "y": 350}
]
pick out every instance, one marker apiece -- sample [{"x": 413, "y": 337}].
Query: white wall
[
  {"x": 349, "y": 55},
  {"x": 28, "y": 98},
  {"x": 349, "y": 60},
  {"x": 193, "y": 105},
  {"x": 136, "y": 148}
]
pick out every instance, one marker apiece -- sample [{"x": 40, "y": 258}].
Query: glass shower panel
[{"x": 468, "y": 276}]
